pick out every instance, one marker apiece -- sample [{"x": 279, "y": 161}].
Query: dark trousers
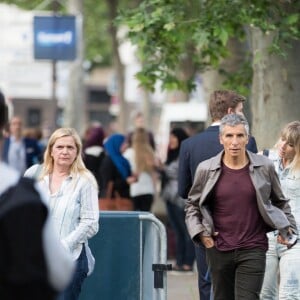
[
  {"x": 236, "y": 274},
  {"x": 73, "y": 290},
  {"x": 143, "y": 202},
  {"x": 204, "y": 283},
  {"x": 185, "y": 250}
]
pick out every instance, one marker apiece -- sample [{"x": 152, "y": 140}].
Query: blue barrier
[{"x": 131, "y": 258}]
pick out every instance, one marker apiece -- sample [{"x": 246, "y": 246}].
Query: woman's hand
[
  {"x": 289, "y": 240},
  {"x": 131, "y": 179}
]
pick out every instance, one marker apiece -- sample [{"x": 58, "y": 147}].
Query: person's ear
[
  {"x": 247, "y": 139},
  {"x": 220, "y": 139},
  {"x": 230, "y": 110}
]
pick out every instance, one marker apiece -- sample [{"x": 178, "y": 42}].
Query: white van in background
[{"x": 189, "y": 115}]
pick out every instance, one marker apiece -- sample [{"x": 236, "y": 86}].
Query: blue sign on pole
[{"x": 55, "y": 37}]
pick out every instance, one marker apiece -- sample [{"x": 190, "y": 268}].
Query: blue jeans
[
  {"x": 282, "y": 276},
  {"x": 204, "y": 280},
  {"x": 185, "y": 251},
  {"x": 73, "y": 290}
]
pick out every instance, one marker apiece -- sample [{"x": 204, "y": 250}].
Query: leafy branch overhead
[{"x": 167, "y": 32}]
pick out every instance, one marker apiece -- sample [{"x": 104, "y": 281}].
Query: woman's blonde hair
[
  {"x": 144, "y": 154},
  {"x": 77, "y": 167},
  {"x": 291, "y": 134}
]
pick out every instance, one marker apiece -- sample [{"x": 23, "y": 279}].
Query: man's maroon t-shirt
[{"x": 235, "y": 213}]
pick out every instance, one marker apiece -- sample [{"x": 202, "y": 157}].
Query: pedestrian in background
[
  {"x": 184, "y": 248},
  {"x": 116, "y": 175},
  {"x": 141, "y": 158},
  {"x": 235, "y": 200},
  {"x": 139, "y": 122},
  {"x": 93, "y": 151},
  {"x": 198, "y": 148},
  {"x": 18, "y": 151},
  {"x": 73, "y": 199},
  {"x": 36, "y": 134},
  {"x": 282, "y": 275}
]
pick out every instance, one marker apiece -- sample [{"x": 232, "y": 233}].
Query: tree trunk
[
  {"x": 213, "y": 80},
  {"x": 119, "y": 68},
  {"x": 74, "y": 113},
  {"x": 275, "y": 89}
]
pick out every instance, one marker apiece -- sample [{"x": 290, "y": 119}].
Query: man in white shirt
[{"x": 18, "y": 151}]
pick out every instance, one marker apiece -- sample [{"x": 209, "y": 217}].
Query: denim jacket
[
  {"x": 272, "y": 204},
  {"x": 290, "y": 183}
]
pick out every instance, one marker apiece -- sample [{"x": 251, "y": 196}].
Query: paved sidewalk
[{"x": 182, "y": 287}]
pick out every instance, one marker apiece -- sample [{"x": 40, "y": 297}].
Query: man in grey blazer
[{"x": 235, "y": 200}]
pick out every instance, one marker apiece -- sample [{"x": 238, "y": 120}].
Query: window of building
[
  {"x": 34, "y": 116},
  {"x": 98, "y": 96}
]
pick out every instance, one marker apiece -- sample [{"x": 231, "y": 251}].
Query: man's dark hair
[
  {"x": 221, "y": 100},
  {"x": 3, "y": 111}
]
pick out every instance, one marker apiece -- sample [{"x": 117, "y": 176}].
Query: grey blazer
[{"x": 272, "y": 204}]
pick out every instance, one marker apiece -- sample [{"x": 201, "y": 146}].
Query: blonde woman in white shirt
[
  {"x": 141, "y": 158},
  {"x": 282, "y": 275},
  {"x": 73, "y": 200}
]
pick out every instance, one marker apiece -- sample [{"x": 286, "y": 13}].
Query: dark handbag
[
  {"x": 107, "y": 204},
  {"x": 124, "y": 204}
]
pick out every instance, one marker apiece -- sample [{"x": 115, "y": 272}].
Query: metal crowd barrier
[{"x": 131, "y": 258}]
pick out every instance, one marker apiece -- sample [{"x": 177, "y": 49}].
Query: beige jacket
[{"x": 272, "y": 204}]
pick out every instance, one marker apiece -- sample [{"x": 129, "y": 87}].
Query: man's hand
[{"x": 207, "y": 241}]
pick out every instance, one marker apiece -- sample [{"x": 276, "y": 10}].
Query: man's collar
[
  {"x": 216, "y": 123},
  {"x": 14, "y": 139}
]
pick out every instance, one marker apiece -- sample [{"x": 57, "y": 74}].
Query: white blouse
[{"x": 74, "y": 210}]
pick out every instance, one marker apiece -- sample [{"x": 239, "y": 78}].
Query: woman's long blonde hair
[
  {"x": 144, "y": 154},
  {"x": 77, "y": 167},
  {"x": 291, "y": 134}
]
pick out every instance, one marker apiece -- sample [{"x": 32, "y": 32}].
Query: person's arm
[
  {"x": 59, "y": 261},
  {"x": 279, "y": 201},
  {"x": 184, "y": 173},
  {"x": 106, "y": 175},
  {"x": 194, "y": 219},
  {"x": 151, "y": 140},
  {"x": 129, "y": 155},
  {"x": 89, "y": 217}
]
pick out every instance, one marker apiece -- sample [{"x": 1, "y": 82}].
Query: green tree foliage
[
  {"x": 167, "y": 31},
  {"x": 97, "y": 40}
]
